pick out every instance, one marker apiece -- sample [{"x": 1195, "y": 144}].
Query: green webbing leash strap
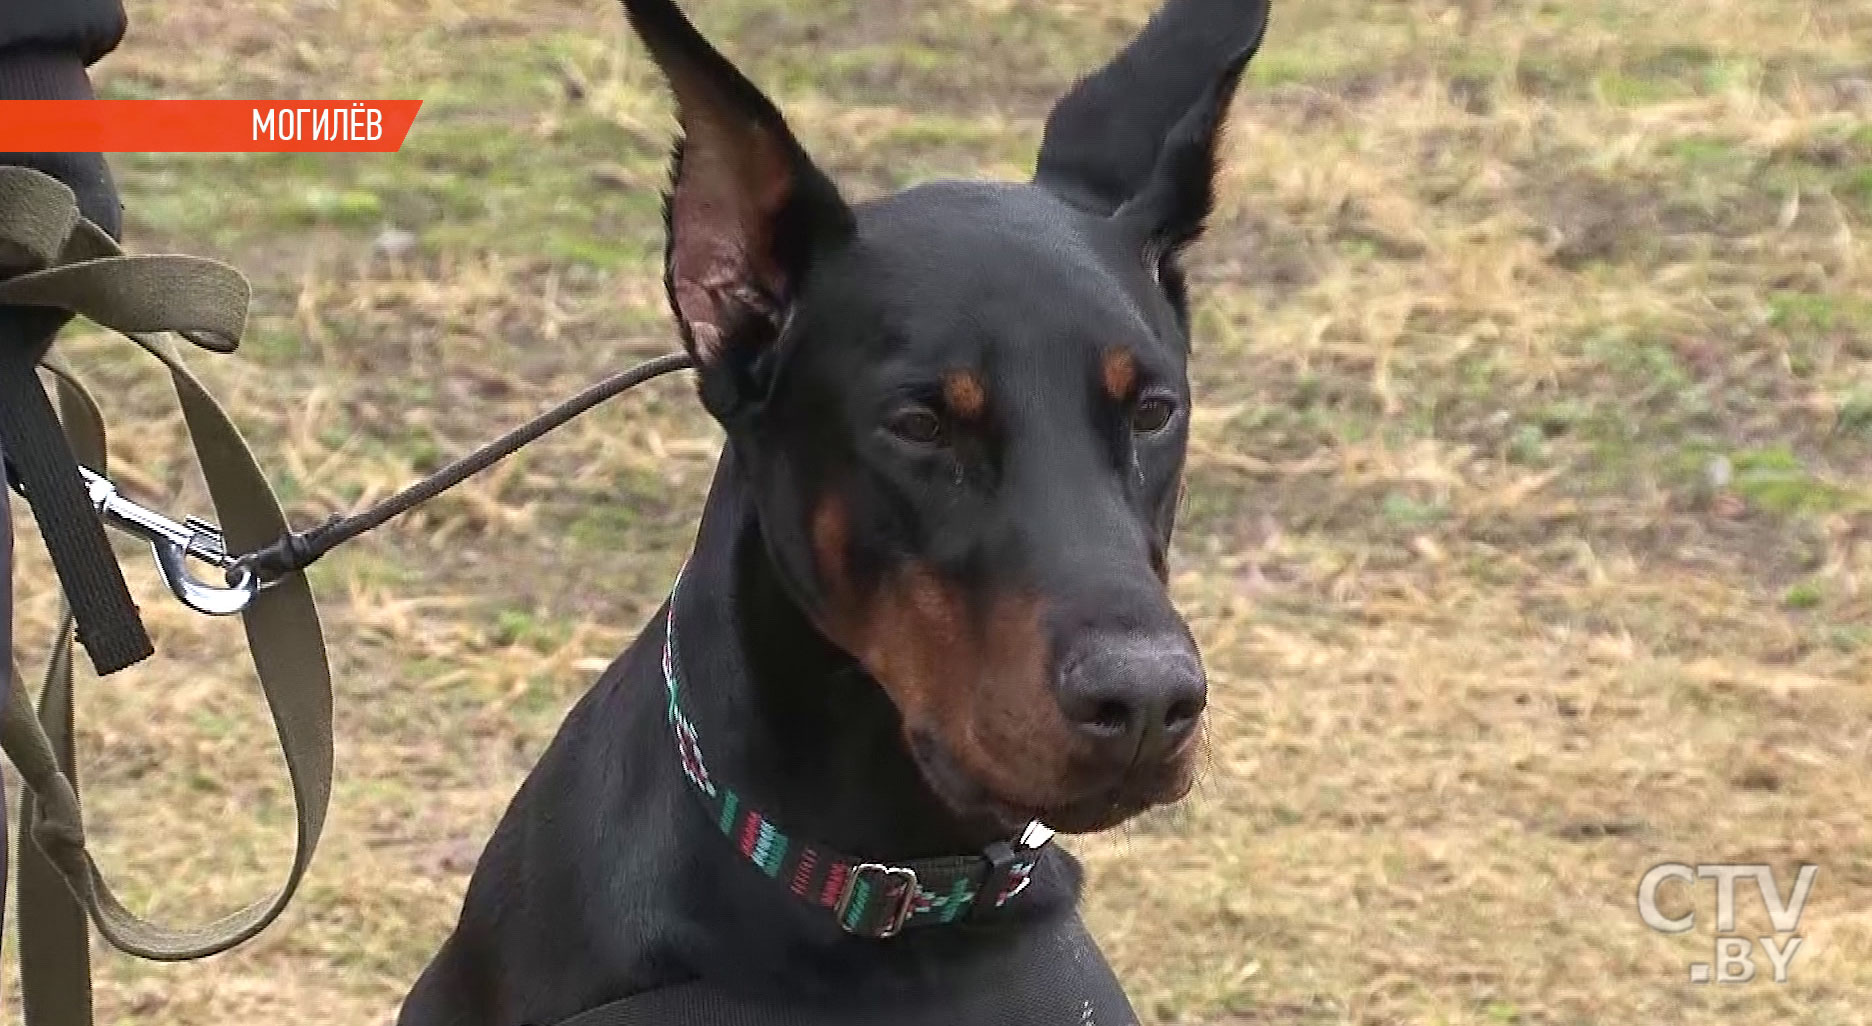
[{"x": 59, "y": 884}]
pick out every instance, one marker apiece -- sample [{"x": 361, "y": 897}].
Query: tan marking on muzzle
[
  {"x": 974, "y": 670},
  {"x": 981, "y": 682}
]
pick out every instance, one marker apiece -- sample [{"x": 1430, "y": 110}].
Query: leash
[
  {"x": 53, "y": 264},
  {"x": 60, "y": 264},
  {"x": 175, "y": 543},
  {"x": 293, "y": 552}
]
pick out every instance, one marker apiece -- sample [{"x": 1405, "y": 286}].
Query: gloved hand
[{"x": 33, "y": 72}]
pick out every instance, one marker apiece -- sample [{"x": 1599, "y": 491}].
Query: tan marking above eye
[
  {"x": 1119, "y": 373},
  {"x": 963, "y": 392}
]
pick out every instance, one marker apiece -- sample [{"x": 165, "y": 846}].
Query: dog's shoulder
[{"x": 570, "y": 903}]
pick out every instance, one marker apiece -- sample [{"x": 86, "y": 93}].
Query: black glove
[{"x": 34, "y": 73}]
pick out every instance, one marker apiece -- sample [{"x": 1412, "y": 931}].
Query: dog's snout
[{"x": 1134, "y": 698}]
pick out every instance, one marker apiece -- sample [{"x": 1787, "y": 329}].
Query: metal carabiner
[{"x": 174, "y": 544}]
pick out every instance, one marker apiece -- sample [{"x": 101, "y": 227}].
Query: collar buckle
[{"x": 870, "y": 884}]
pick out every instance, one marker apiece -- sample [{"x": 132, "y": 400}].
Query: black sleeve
[
  {"x": 88, "y": 28},
  {"x": 45, "y": 46}
]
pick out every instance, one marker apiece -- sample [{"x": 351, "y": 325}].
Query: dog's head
[{"x": 963, "y": 410}]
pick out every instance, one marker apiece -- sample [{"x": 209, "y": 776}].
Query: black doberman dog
[{"x": 926, "y": 610}]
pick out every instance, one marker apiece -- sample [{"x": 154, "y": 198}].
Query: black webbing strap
[
  {"x": 35, "y": 229},
  {"x": 109, "y": 627}
]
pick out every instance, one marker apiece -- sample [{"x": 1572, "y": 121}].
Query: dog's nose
[{"x": 1136, "y": 698}]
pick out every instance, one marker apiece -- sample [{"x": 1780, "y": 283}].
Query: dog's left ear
[
  {"x": 1137, "y": 140},
  {"x": 747, "y": 210}
]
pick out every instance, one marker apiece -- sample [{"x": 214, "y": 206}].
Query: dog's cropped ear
[
  {"x": 746, "y": 211},
  {"x": 1137, "y": 140}
]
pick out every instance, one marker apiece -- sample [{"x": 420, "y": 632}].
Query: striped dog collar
[{"x": 868, "y": 899}]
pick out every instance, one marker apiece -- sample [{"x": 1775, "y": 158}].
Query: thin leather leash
[{"x": 295, "y": 551}]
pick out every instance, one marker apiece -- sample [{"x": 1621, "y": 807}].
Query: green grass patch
[
  {"x": 1625, "y": 90},
  {"x": 1849, "y": 638},
  {"x": 1561, "y": 416},
  {"x": 872, "y": 62},
  {"x": 1775, "y": 479},
  {"x": 1502, "y": 1012},
  {"x": 1857, "y": 187},
  {"x": 606, "y": 526},
  {"x": 1673, "y": 72},
  {"x": 1804, "y": 595},
  {"x": 1527, "y": 446},
  {"x": 1408, "y": 512},
  {"x": 932, "y": 131},
  {"x": 1296, "y": 65},
  {"x": 515, "y": 627},
  {"x": 272, "y": 340},
  {"x": 1706, "y": 154},
  {"x": 1811, "y": 312},
  {"x": 322, "y": 204},
  {"x": 1855, "y": 412},
  {"x": 1644, "y": 362}
]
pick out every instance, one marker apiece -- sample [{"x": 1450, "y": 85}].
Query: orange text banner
[{"x": 205, "y": 126}]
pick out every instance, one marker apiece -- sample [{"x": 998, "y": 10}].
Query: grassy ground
[{"x": 1529, "y": 532}]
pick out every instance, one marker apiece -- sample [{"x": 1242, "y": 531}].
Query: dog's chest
[
  {"x": 1056, "y": 979},
  {"x": 1055, "y": 976}
]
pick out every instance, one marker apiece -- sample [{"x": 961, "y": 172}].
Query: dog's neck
[{"x": 785, "y": 717}]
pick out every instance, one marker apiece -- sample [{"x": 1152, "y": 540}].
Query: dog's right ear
[
  {"x": 746, "y": 212},
  {"x": 1137, "y": 140}
]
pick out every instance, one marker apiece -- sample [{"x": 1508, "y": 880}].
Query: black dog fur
[{"x": 926, "y": 603}]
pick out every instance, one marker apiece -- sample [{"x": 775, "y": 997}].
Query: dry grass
[{"x": 1529, "y": 531}]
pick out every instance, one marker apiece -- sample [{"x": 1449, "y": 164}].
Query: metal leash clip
[{"x": 174, "y": 544}]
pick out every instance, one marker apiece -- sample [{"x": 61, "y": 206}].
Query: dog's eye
[
  {"x": 917, "y": 425},
  {"x": 1152, "y": 414}
]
